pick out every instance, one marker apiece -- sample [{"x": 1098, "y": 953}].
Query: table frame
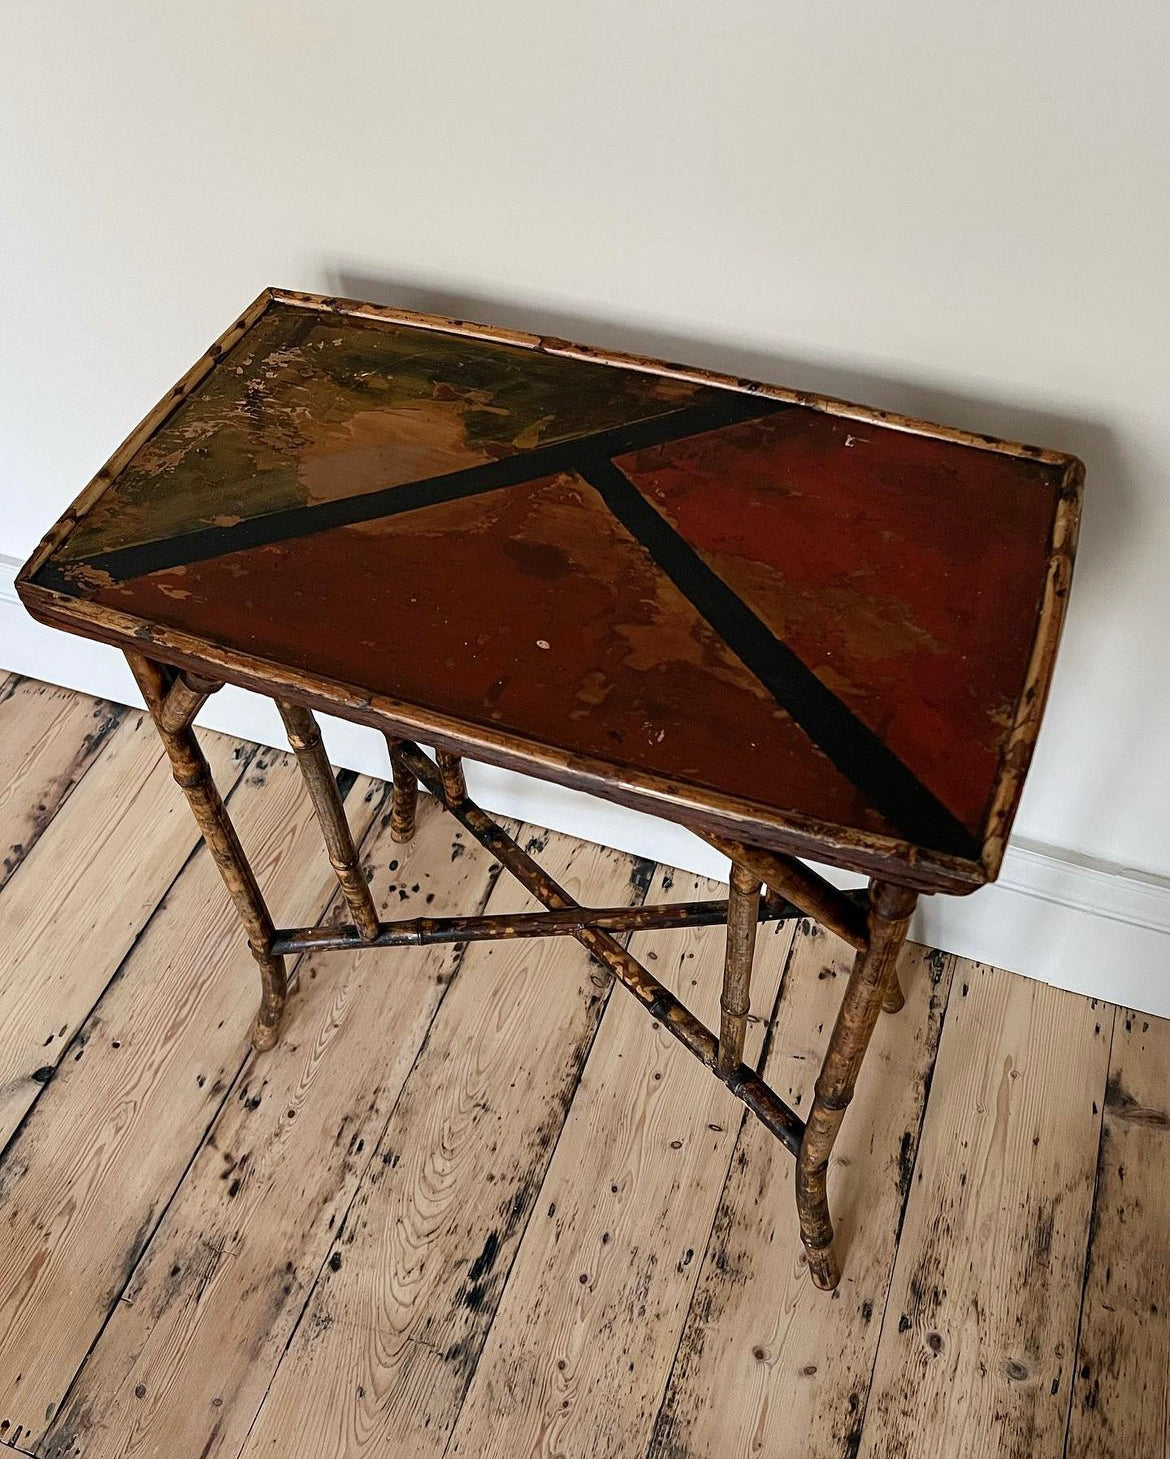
[
  {"x": 765, "y": 886},
  {"x": 177, "y": 671}
]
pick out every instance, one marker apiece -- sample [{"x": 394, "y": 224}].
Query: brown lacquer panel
[
  {"x": 530, "y": 608},
  {"x": 905, "y": 572}
]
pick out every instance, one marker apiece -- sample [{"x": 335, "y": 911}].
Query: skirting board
[{"x": 1095, "y": 928}]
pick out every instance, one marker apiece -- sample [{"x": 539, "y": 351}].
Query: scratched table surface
[{"x": 702, "y": 592}]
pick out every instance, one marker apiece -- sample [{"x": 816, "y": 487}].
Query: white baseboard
[{"x": 1093, "y": 927}]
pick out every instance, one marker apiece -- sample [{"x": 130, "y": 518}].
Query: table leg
[
  {"x": 404, "y": 798},
  {"x": 451, "y": 769},
  {"x": 304, "y": 735},
  {"x": 192, "y": 773},
  {"x": 743, "y": 910},
  {"x": 867, "y": 991},
  {"x": 404, "y": 804},
  {"x": 893, "y": 998}
]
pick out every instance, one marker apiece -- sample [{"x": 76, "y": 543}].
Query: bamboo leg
[
  {"x": 304, "y": 735},
  {"x": 451, "y": 769},
  {"x": 192, "y": 773},
  {"x": 674, "y": 1017},
  {"x": 889, "y": 914},
  {"x": 184, "y": 700},
  {"x": 404, "y": 800},
  {"x": 806, "y": 888},
  {"x": 893, "y": 998},
  {"x": 273, "y": 997},
  {"x": 743, "y": 908}
]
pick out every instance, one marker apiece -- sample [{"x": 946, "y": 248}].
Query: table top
[{"x": 820, "y": 628}]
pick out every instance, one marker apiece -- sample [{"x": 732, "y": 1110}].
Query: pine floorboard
[{"x": 475, "y": 1203}]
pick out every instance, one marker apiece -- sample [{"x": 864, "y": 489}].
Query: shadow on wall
[{"x": 1108, "y": 518}]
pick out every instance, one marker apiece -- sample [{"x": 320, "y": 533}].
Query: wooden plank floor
[{"x": 476, "y": 1203}]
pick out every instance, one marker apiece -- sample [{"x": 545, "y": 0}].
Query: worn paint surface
[
  {"x": 905, "y": 571},
  {"x": 531, "y": 608},
  {"x": 306, "y": 409},
  {"x": 825, "y": 619}
]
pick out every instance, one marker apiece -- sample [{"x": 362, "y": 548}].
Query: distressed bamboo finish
[
  {"x": 404, "y": 799},
  {"x": 451, "y": 769},
  {"x": 743, "y": 910},
  {"x": 893, "y": 999},
  {"x": 190, "y": 769},
  {"x": 890, "y": 908},
  {"x": 273, "y": 998},
  {"x": 869, "y": 985},
  {"x": 184, "y": 700},
  {"x": 566, "y": 922},
  {"x": 304, "y": 735},
  {"x": 819, "y": 898},
  {"x": 673, "y": 1015}
]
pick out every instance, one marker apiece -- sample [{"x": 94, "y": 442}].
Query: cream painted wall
[{"x": 957, "y": 211}]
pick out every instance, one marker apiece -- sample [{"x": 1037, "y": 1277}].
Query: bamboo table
[{"x": 797, "y": 627}]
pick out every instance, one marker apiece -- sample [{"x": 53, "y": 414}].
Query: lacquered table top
[{"x": 827, "y": 629}]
